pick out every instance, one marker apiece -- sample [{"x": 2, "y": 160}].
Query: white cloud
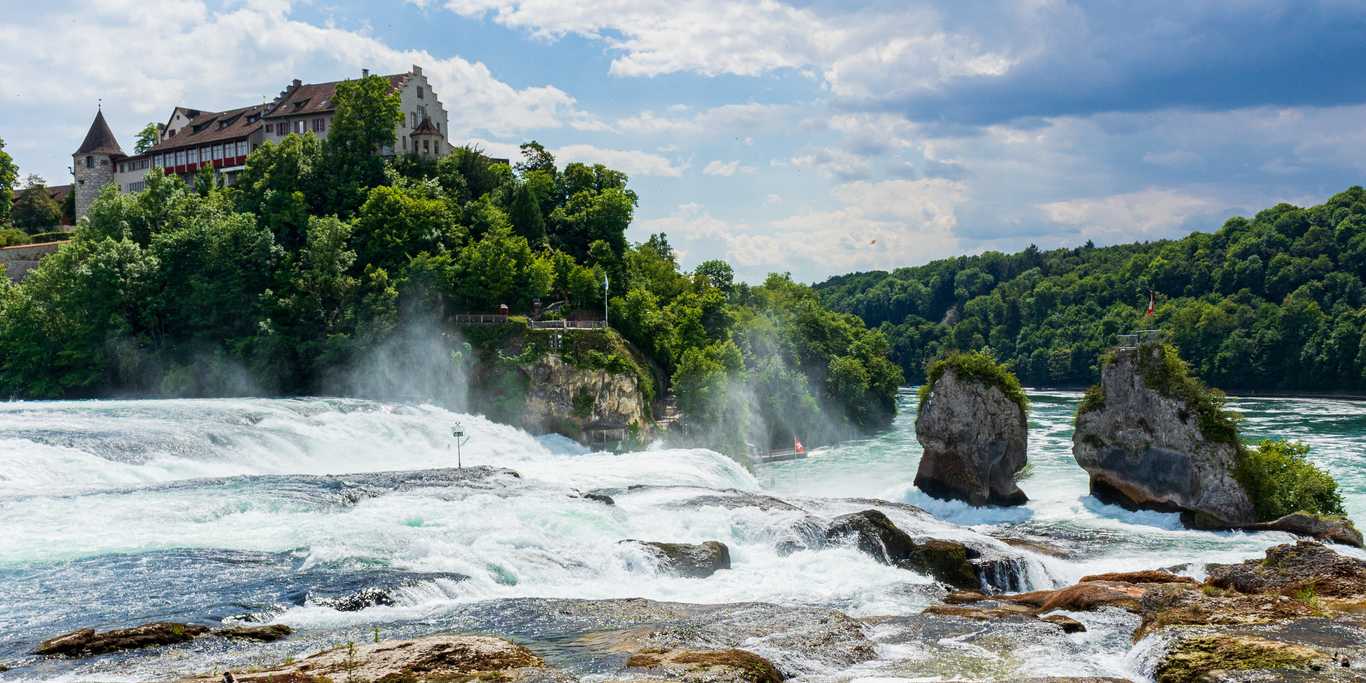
[
  {"x": 1154, "y": 212},
  {"x": 833, "y": 161},
  {"x": 727, "y": 168},
  {"x": 633, "y": 162},
  {"x": 894, "y": 49},
  {"x": 143, "y": 58},
  {"x": 874, "y": 225},
  {"x": 729, "y": 119},
  {"x": 655, "y": 37}
]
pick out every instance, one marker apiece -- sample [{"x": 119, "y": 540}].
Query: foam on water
[{"x": 86, "y": 481}]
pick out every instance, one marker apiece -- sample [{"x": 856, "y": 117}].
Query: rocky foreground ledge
[{"x": 1299, "y": 614}]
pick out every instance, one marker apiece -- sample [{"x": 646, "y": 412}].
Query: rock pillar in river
[
  {"x": 974, "y": 436},
  {"x": 1152, "y": 437}
]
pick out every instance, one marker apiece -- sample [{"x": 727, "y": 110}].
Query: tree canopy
[
  {"x": 9, "y": 174},
  {"x": 34, "y": 208},
  {"x": 322, "y": 254},
  {"x": 1274, "y": 301}
]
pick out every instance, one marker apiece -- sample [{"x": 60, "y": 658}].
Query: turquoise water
[
  {"x": 212, "y": 511},
  {"x": 1060, "y": 508}
]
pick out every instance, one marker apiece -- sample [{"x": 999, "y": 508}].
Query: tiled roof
[
  {"x": 426, "y": 127},
  {"x": 210, "y": 127},
  {"x": 58, "y": 192},
  {"x": 316, "y": 98},
  {"x": 100, "y": 140}
]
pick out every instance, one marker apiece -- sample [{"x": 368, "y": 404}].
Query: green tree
[
  {"x": 525, "y": 214},
  {"x": 147, "y": 138},
  {"x": 34, "y": 209},
  {"x": 368, "y": 110},
  {"x": 70, "y": 328},
  {"x": 283, "y": 183},
  {"x": 9, "y": 174},
  {"x": 397, "y": 222},
  {"x": 500, "y": 268}
]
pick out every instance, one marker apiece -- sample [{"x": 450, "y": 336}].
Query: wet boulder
[
  {"x": 1321, "y": 527},
  {"x": 1288, "y": 568},
  {"x": 430, "y": 658},
  {"x": 691, "y": 560},
  {"x": 362, "y": 590},
  {"x": 262, "y": 634},
  {"x": 712, "y": 666},
  {"x": 873, "y": 533},
  {"x": 88, "y": 642},
  {"x": 974, "y": 438},
  {"x": 1151, "y": 437}
]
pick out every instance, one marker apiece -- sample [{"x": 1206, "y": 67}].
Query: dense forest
[
  {"x": 1274, "y": 302},
  {"x": 322, "y": 253}
]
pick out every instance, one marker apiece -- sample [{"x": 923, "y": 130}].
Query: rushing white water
[{"x": 119, "y": 511}]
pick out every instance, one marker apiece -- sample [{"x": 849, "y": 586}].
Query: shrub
[
  {"x": 979, "y": 367},
  {"x": 1093, "y": 399},
  {"x": 10, "y": 237},
  {"x": 54, "y": 236},
  {"x": 1280, "y": 480}
]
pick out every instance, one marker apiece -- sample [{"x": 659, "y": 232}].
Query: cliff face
[
  {"x": 1146, "y": 449},
  {"x": 582, "y": 402},
  {"x": 589, "y": 385},
  {"x": 974, "y": 440}
]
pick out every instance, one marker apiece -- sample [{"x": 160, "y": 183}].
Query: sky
[{"x": 814, "y": 137}]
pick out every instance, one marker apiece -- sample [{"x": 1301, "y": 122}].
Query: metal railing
[
  {"x": 1136, "y": 339},
  {"x": 479, "y": 318},
  {"x": 568, "y": 324}
]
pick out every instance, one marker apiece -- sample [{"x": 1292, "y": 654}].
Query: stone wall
[
  {"x": 21, "y": 259},
  {"x": 91, "y": 177}
]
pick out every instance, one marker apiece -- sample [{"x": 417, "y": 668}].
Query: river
[{"x": 114, "y": 513}]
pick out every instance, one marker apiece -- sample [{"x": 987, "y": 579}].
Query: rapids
[{"x": 120, "y": 512}]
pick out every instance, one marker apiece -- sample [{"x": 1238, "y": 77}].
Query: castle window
[
  {"x": 413, "y": 116},
  {"x": 90, "y": 162},
  {"x": 419, "y": 92},
  {"x": 426, "y": 146},
  {"x": 318, "y": 125},
  {"x": 242, "y": 149}
]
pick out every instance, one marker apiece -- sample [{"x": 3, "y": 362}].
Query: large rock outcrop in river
[
  {"x": 973, "y": 430},
  {"x": 1149, "y": 441}
]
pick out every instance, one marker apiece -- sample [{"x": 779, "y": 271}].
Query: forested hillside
[
  {"x": 1274, "y": 302},
  {"x": 323, "y": 256}
]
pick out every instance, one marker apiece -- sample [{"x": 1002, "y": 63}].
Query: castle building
[{"x": 192, "y": 139}]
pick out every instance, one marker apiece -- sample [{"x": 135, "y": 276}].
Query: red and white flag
[
  {"x": 1152, "y": 302},
  {"x": 797, "y": 445}
]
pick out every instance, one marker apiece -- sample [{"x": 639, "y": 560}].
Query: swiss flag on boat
[
  {"x": 1152, "y": 302},
  {"x": 797, "y": 445}
]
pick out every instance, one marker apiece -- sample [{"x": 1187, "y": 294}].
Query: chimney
[
  {"x": 417, "y": 70},
  {"x": 296, "y": 83},
  {"x": 364, "y": 73}
]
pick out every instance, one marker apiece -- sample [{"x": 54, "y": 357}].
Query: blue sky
[{"x": 810, "y": 137}]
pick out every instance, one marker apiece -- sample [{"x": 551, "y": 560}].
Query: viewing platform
[{"x": 1139, "y": 338}]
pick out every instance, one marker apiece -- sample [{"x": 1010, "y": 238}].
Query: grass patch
[
  {"x": 1280, "y": 480},
  {"x": 980, "y": 367}
]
